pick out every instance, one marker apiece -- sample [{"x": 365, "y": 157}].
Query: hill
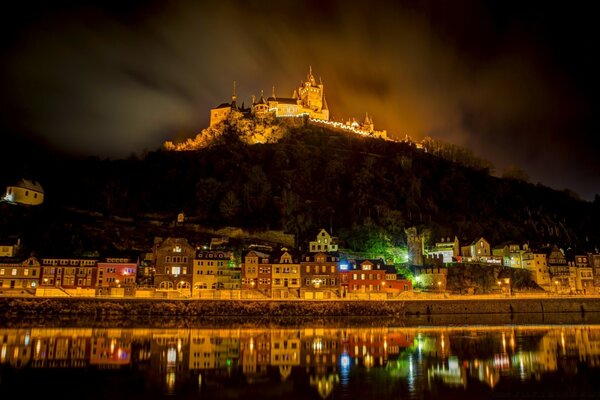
[{"x": 367, "y": 190}]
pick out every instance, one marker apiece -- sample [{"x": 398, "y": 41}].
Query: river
[{"x": 333, "y": 359}]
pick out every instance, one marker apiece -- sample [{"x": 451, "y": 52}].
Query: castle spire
[
  {"x": 325, "y": 107},
  {"x": 273, "y": 94},
  {"x": 233, "y": 98},
  {"x": 310, "y": 76}
]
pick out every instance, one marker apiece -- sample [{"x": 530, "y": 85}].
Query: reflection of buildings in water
[
  {"x": 324, "y": 383},
  {"x": 484, "y": 371},
  {"x": 60, "y": 348},
  {"x": 214, "y": 349},
  {"x": 15, "y": 348},
  {"x": 169, "y": 357},
  {"x": 323, "y": 358},
  {"x": 449, "y": 372},
  {"x": 111, "y": 348},
  {"x": 285, "y": 350},
  {"x": 255, "y": 354}
]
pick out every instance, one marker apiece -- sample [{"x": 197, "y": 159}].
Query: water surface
[{"x": 342, "y": 360}]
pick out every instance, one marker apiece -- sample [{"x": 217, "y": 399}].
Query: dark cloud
[{"x": 514, "y": 84}]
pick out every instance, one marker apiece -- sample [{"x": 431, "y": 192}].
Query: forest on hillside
[{"x": 368, "y": 191}]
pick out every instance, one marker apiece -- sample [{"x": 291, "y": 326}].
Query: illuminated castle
[{"x": 308, "y": 99}]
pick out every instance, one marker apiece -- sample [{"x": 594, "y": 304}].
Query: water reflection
[{"x": 309, "y": 362}]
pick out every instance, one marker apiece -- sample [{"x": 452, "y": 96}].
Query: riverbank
[
  {"x": 280, "y": 308},
  {"x": 52, "y": 312}
]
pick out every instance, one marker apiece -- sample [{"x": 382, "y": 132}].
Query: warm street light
[{"x": 439, "y": 286}]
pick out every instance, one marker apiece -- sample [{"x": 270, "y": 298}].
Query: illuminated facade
[
  {"x": 25, "y": 192},
  {"x": 285, "y": 273},
  {"x": 16, "y": 274},
  {"x": 320, "y": 275},
  {"x": 214, "y": 270},
  {"x": 174, "y": 258},
  {"x": 323, "y": 242},
  {"x": 116, "y": 277},
  {"x": 256, "y": 271},
  {"x": 308, "y": 99}
]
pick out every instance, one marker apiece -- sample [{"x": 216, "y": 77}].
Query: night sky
[{"x": 516, "y": 82}]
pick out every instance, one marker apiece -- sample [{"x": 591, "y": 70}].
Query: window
[
  {"x": 307, "y": 269},
  {"x": 14, "y": 272},
  {"x": 2, "y": 271},
  {"x": 26, "y": 272}
]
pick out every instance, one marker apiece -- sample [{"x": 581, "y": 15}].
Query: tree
[
  {"x": 229, "y": 205},
  {"x": 515, "y": 173}
]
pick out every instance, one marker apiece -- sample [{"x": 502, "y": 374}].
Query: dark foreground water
[{"x": 334, "y": 361}]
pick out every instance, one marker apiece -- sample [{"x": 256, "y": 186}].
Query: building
[
  {"x": 478, "y": 251},
  {"x": 174, "y": 261},
  {"x": 445, "y": 251},
  {"x": 584, "y": 276},
  {"x": 214, "y": 270},
  {"x": 19, "y": 274},
  {"x": 308, "y": 99},
  {"x": 595, "y": 264},
  {"x": 562, "y": 274},
  {"x": 25, "y": 192},
  {"x": 10, "y": 248},
  {"x": 320, "y": 275},
  {"x": 367, "y": 276},
  {"x": 285, "y": 272},
  {"x": 396, "y": 283},
  {"x": 512, "y": 254},
  {"x": 536, "y": 263},
  {"x": 256, "y": 271},
  {"x": 324, "y": 242},
  {"x": 68, "y": 274},
  {"x": 117, "y": 277}
]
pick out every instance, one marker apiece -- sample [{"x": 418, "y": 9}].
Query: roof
[
  {"x": 223, "y": 105},
  {"x": 31, "y": 185},
  {"x": 286, "y": 100}
]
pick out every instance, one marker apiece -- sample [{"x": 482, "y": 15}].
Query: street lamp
[
  {"x": 439, "y": 286},
  {"x": 507, "y": 281},
  {"x": 556, "y": 282}
]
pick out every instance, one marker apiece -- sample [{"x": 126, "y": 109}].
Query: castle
[{"x": 308, "y": 99}]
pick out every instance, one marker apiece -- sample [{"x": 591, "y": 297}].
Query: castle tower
[
  {"x": 260, "y": 108},
  {"x": 311, "y": 94}
]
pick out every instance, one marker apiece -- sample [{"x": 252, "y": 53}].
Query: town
[{"x": 174, "y": 268}]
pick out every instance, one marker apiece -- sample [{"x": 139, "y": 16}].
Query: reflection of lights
[
  {"x": 251, "y": 344},
  {"x": 3, "y": 353},
  {"x": 369, "y": 361},
  {"x": 317, "y": 345},
  {"x": 179, "y": 345},
  {"x": 345, "y": 361},
  {"x": 38, "y": 346},
  {"x": 112, "y": 345},
  {"x": 26, "y": 340},
  {"x": 199, "y": 380},
  {"x": 171, "y": 355},
  {"x": 170, "y": 379}
]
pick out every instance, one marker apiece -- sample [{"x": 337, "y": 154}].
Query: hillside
[{"x": 368, "y": 190}]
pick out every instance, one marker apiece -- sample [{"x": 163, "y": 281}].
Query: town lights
[{"x": 439, "y": 286}]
